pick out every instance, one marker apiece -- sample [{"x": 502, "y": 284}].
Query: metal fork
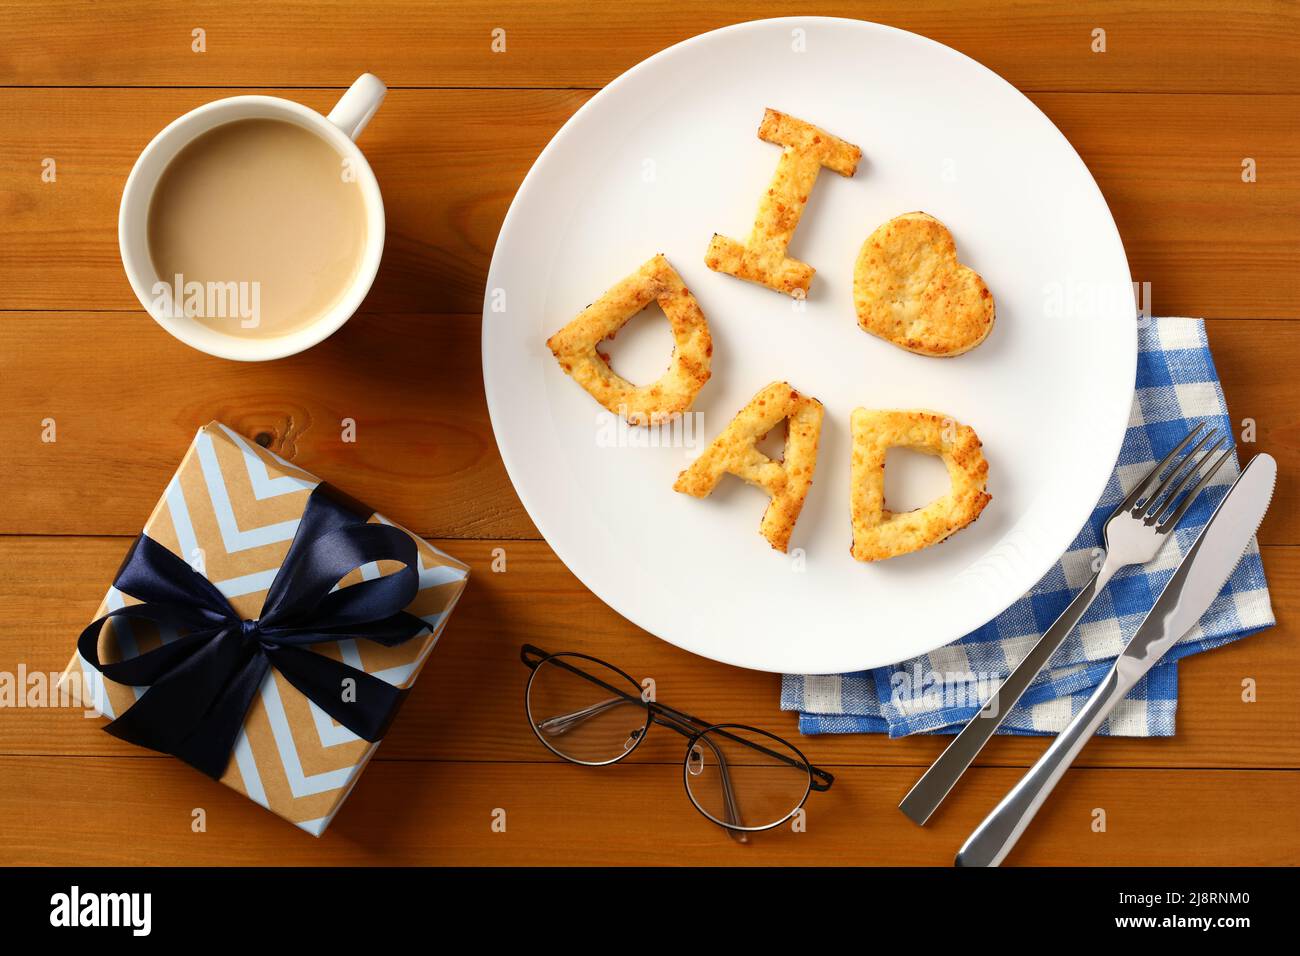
[{"x": 1133, "y": 534}]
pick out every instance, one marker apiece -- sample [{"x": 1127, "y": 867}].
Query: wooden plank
[
  {"x": 1170, "y": 167},
  {"x": 1171, "y": 170},
  {"x": 1037, "y": 46},
  {"x": 468, "y": 703},
  {"x": 1256, "y": 362},
  {"x": 424, "y": 453},
  {"x": 96, "y": 811},
  {"x": 445, "y": 192},
  {"x": 423, "y": 450}
]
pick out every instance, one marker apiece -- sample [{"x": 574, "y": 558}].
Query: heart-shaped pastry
[{"x": 910, "y": 289}]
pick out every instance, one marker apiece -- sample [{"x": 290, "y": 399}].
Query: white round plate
[{"x": 667, "y": 155}]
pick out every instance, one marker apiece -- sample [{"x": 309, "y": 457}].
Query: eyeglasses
[{"x": 589, "y": 712}]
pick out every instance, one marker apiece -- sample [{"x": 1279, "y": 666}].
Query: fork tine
[
  {"x": 1177, "y": 516},
  {"x": 1154, "y": 517},
  {"x": 1154, "y": 474},
  {"x": 1149, "y": 506}
]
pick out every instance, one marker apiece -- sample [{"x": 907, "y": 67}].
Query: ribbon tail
[
  {"x": 212, "y": 742},
  {"x": 366, "y": 706},
  {"x": 189, "y": 701}
]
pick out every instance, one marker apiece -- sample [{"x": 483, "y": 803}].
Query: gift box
[{"x": 264, "y": 628}]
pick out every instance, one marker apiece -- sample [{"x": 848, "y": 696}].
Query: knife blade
[
  {"x": 1199, "y": 578},
  {"x": 1206, "y": 566}
]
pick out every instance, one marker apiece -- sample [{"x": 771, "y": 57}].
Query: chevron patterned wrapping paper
[{"x": 234, "y": 507}]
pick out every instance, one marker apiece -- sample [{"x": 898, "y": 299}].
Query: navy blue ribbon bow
[{"x": 201, "y": 684}]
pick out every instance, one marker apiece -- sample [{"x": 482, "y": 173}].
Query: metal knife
[{"x": 1200, "y": 576}]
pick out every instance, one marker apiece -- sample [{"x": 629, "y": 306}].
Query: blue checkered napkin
[{"x": 938, "y": 692}]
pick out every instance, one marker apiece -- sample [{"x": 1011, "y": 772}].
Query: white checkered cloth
[{"x": 1177, "y": 387}]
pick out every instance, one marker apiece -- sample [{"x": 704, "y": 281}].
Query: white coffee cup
[{"x": 340, "y": 128}]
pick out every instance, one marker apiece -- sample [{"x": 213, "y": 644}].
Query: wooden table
[{"x": 1164, "y": 118}]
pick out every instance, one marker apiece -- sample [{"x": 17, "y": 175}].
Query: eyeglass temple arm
[
  {"x": 821, "y": 779},
  {"x": 664, "y": 716},
  {"x": 728, "y": 791},
  {"x": 563, "y": 723},
  {"x": 677, "y": 720}
]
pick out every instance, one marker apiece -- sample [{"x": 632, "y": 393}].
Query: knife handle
[
  {"x": 994, "y": 838},
  {"x": 936, "y": 783}
]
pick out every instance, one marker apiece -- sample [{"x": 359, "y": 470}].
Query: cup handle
[{"x": 353, "y": 111}]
